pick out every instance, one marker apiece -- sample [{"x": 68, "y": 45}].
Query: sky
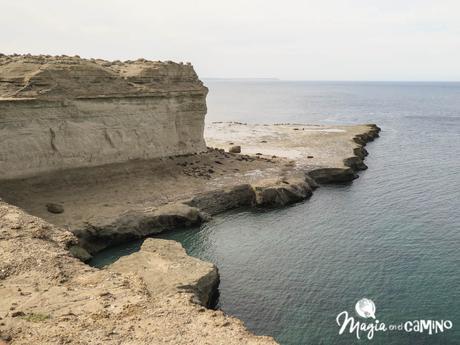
[{"x": 385, "y": 40}]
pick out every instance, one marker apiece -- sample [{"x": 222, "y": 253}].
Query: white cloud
[{"x": 290, "y": 39}]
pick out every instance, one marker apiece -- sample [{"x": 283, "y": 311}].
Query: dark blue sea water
[{"x": 393, "y": 235}]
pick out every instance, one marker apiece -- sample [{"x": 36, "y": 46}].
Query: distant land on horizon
[
  {"x": 327, "y": 81},
  {"x": 241, "y": 79}
]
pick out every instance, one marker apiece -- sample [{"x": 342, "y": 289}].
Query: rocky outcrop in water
[
  {"x": 141, "y": 223},
  {"x": 138, "y": 224},
  {"x": 333, "y": 175},
  {"x": 281, "y": 192},
  {"x": 165, "y": 267},
  {"x": 67, "y": 112},
  {"x": 352, "y": 164}
]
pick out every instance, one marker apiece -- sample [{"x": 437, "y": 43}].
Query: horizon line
[{"x": 327, "y": 80}]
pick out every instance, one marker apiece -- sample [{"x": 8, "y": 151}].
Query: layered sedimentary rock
[
  {"x": 87, "y": 146},
  {"x": 135, "y": 224},
  {"x": 112, "y": 204},
  {"x": 67, "y": 112}
]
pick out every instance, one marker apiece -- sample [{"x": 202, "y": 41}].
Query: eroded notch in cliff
[{"x": 53, "y": 140}]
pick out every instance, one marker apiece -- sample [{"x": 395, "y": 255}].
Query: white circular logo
[{"x": 365, "y": 308}]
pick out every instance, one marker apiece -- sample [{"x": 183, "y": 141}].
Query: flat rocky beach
[{"x": 96, "y": 153}]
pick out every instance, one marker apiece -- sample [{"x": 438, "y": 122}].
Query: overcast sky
[{"x": 287, "y": 39}]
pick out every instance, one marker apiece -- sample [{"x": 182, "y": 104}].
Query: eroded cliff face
[{"x": 67, "y": 112}]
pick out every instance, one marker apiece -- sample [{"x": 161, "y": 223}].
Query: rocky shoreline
[
  {"x": 278, "y": 182},
  {"x": 62, "y": 201},
  {"x": 46, "y": 291}
]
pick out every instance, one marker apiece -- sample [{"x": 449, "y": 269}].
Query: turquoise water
[{"x": 393, "y": 235}]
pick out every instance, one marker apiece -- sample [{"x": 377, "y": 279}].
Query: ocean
[{"x": 392, "y": 236}]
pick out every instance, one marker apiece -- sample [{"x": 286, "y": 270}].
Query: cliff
[
  {"x": 86, "y": 162},
  {"x": 68, "y": 112}
]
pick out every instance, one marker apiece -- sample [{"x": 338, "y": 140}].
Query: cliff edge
[
  {"x": 49, "y": 297},
  {"x": 67, "y": 112},
  {"x": 95, "y": 153}
]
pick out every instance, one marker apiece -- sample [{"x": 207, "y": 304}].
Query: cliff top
[{"x": 63, "y": 77}]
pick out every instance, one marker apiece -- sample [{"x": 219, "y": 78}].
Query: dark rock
[
  {"x": 312, "y": 183},
  {"x": 361, "y": 152},
  {"x": 235, "y": 149},
  {"x": 55, "y": 208},
  {"x": 224, "y": 199},
  {"x": 5, "y": 337},
  {"x": 18, "y": 314},
  {"x": 80, "y": 253},
  {"x": 355, "y": 163},
  {"x": 272, "y": 193},
  {"x": 332, "y": 175}
]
